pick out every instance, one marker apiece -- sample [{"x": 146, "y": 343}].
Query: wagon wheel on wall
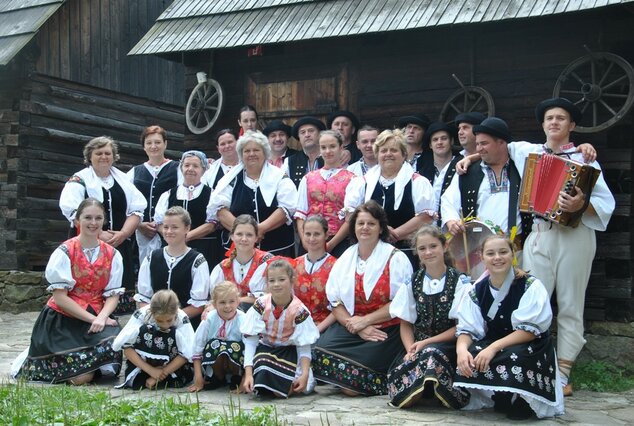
[
  {"x": 467, "y": 99},
  {"x": 601, "y": 85},
  {"x": 204, "y": 105}
]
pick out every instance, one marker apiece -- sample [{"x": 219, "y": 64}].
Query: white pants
[{"x": 561, "y": 257}]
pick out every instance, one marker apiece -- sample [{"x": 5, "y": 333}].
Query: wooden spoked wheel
[
  {"x": 601, "y": 85},
  {"x": 204, "y": 106},
  {"x": 467, "y": 99}
]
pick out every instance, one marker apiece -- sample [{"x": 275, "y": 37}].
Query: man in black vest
[
  {"x": 414, "y": 127},
  {"x": 306, "y": 130},
  {"x": 490, "y": 188}
]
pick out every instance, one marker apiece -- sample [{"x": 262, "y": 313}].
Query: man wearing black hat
[
  {"x": 347, "y": 124},
  {"x": 561, "y": 257},
  {"x": 306, "y": 130},
  {"x": 490, "y": 187},
  {"x": 278, "y": 133},
  {"x": 466, "y": 137},
  {"x": 414, "y": 127},
  {"x": 440, "y": 137}
]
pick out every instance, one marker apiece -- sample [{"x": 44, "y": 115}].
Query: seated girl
[
  {"x": 218, "y": 349},
  {"x": 278, "y": 331},
  {"x": 158, "y": 343},
  {"x": 427, "y": 332},
  {"x": 506, "y": 357},
  {"x": 176, "y": 267},
  {"x": 313, "y": 270}
]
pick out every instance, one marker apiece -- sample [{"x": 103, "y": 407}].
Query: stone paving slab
[{"x": 327, "y": 407}]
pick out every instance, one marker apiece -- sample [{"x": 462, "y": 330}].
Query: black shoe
[
  {"x": 235, "y": 381},
  {"x": 502, "y": 402},
  {"x": 520, "y": 410},
  {"x": 215, "y": 383}
]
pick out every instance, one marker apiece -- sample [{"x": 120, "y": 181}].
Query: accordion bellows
[{"x": 545, "y": 176}]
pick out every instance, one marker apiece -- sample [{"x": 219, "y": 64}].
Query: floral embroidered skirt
[
  {"x": 346, "y": 360},
  {"x": 234, "y": 351},
  {"x": 275, "y": 369},
  {"x": 157, "y": 348},
  {"x": 61, "y": 348},
  {"x": 434, "y": 364},
  {"x": 529, "y": 369}
]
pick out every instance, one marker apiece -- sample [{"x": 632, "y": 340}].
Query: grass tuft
[{"x": 599, "y": 376}]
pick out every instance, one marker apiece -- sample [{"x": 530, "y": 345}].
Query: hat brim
[
  {"x": 410, "y": 119},
  {"x": 492, "y": 131},
  {"x": 307, "y": 120}
]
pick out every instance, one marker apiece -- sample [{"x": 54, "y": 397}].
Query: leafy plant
[{"x": 600, "y": 376}]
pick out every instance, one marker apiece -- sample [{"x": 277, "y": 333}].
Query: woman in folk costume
[
  {"x": 506, "y": 357},
  {"x": 124, "y": 205},
  {"x": 278, "y": 333},
  {"x": 176, "y": 267},
  {"x": 313, "y": 270},
  {"x": 153, "y": 178},
  {"x": 72, "y": 337},
  {"x": 261, "y": 190},
  {"x": 158, "y": 343},
  {"x": 427, "y": 332},
  {"x": 323, "y": 191},
  {"x": 406, "y": 196},
  {"x": 355, "y": 352},
  {"x": 193, "y": 196}
]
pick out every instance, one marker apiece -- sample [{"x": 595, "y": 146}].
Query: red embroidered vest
[
  {"x": 311, "y": 288},
  {"x": 379, "y": 297},
  {"x": 90, "y": 278},
  {"x": 281, "y": 332},
  {"x": 325, "y": 197},
  {"x": 259, "y": 257}
]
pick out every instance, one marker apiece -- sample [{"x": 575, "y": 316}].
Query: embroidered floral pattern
[
  {"x": 214, "y": 348},
  {"x": 311, "y": 288},
  {"x": 343, "y": 371}
]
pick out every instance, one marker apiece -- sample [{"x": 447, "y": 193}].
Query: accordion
[{"x": 545, "y": 176}]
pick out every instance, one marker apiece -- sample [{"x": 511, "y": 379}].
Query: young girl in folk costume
[
  {"x": 176, "y": 267},
  {"x": 313, "y": 270},
  {"x": 427, "y": 332},
  {"x": 158, "y": 343},
  {"x": 323, "y": 191},
  {"x": 218, "y": 350},
  {"x": 72, "y": 337},
  {"x": 246, "y": 264},
  {"x": 278, "y": 332},
  {"x": 505, "y": 352}
]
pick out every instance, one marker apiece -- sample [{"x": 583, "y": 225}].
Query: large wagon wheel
[
  {"x": 204, "y": 105},
  {"x": 601, "y": 85}
]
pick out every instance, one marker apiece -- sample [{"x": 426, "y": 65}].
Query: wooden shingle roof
[
  {"x": 19, "y": 22},
  {"x": 190, "y": 25}
]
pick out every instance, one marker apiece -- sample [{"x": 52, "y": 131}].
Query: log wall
[
  {"x": 518, "y": 62},
  {"x": 44, "y": 124}
]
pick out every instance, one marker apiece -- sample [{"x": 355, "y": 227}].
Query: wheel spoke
[
  {"x": 593, "y": 72},
  {"x": 606, "y": 106},
  {"x": 614, "y": 95},
  {"x": 211, "y": 97},
  {"x": 606, "y": 73},
  {"x": 585, "y": 107},
  {"x": 211, "y": 108},
  {"x": 476, "y": 103},
  {"x": 198, "y": 121},
  {"x": 455, "y": 108},
  {"x": 194, "y": 114},
  {"x": 617, "y": 81},
  {"x": 574, "y": 92},
  {"x": 574, "y": 74},
  {"x": 207, "y": 118},
  {"x": 594, "y": 114}
]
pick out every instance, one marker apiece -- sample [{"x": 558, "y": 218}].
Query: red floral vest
[
  {"x": 259, "y": 257},
  {"x": 90, "y": 278},
  {"x": 295, "y": 313},
  {"x": 379, "y": 297},
  {"x": 311, "y": 289},
  {"x": 325, "y": 197}
]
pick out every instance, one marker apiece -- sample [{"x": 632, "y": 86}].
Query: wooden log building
[
  {"x": 65, "y": 78},
  {"x": 385, "y": 58}
]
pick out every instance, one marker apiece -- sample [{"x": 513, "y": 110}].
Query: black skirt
[
  {"x": 274, "y": 369},
  {"x": 62, "y": 348},
  {"x": 346, "y": 360}
]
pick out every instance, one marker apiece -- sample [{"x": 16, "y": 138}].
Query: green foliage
[
  {"x": 23, "y": 404},
  {"x": 600, "y": 376}
]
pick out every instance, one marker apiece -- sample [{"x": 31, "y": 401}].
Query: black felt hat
[
  {"x": 276, "y": 125},
  {"x": 420, "y": 119},
  {"x": 470, "y": 117},
  {"x": 543, "y": 106},
  {"x": 495, "y": 127},
  {"x": 343, "y": 113},
  {"x": 307, "y": 120},
  {"x": 438, "y": 126}
]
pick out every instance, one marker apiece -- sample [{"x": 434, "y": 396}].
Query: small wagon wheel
[
  {"x": 601, "y": 85},
  {"x": 204, "y": 106}
]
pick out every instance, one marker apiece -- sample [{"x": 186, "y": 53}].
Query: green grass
[
  {"x": 600, "y": 376},
  {"x": 25, "y": 404}
]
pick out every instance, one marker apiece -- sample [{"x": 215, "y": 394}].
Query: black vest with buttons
[
  {"x": 196, "y": 207},
  {"x": 297, "y": 166},
  {"x": 153, "y": 188}
]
